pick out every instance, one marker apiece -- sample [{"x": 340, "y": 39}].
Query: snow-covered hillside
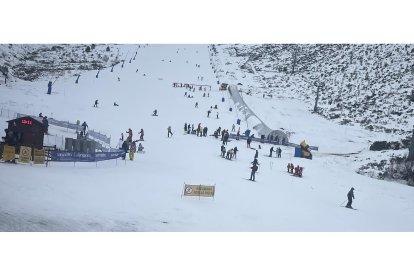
[
  {"x": 367, "y": 85},
  {"x": 146, "y": 194}
]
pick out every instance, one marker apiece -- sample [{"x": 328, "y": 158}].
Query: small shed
[{"x": 26, "y": 131}]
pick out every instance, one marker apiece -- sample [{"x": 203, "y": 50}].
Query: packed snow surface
[{"x": 146, "y": 194}]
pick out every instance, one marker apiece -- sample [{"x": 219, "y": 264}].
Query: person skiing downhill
[{"x": 350, "y": 197}]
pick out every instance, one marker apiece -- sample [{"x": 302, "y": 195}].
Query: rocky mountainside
[
  {"x": 371, "y": 85},
  {"x": 30, "y": 61}
]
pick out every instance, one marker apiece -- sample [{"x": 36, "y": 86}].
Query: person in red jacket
[{"x": 129, "y": 139}]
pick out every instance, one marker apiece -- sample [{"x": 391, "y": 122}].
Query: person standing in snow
[
  {"x": 238, "y": 134},
  {"x": 125, "y": 149},
  {"x": 169, "y": 131},
  {"x": 45, "y": 122},
  {"x": 233, "y": 128},
  {"x": 132, "y": 151},
  {"x": 196, "y": 105},
  {"x": 129, "y": 138},
  {"x": 235, "y": 150},
  {"x": 141, "y": 137},
  {"x": 208, "y": 113},
  {"x": 253, "y": 173},
  {"x": 223, "y": 150},
  {"x": 249, "y": 140},
  {"x": 96, "y": 103},
  {"x": 217, "y": 115},
  {"x": 84, "y": 126},
  {"x": 271, "y": 151},
  {"x": 49, "y": 88},
  {"x": 205, "y": 129},
  {"x": 350, "y": 197},
  {"x": 185, "y": 127},
  {"x": 279, "y": 152},
  {"x": 256, "y": 154}
]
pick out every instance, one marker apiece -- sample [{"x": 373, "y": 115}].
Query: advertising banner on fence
[
  {"x": 9, "y": 153},
  {"x": 39, "y": 156},
  {"x": 25, "y": 154},
  {"x": 71, "y": 156},
  {"x": 199, "y": 190}
]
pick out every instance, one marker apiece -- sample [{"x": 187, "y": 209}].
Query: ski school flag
[{"x": 199, "y": 190}]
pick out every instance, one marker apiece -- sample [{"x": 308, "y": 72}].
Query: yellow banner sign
[
  {"x": 39, "y": 156},
  {"x": 199, "y": 190},
  {"x": 9, "y": 153},
  {"x": 25, "y": 154}
]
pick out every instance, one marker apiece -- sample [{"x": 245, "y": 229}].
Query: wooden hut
[{"x": 26, "y": 131}]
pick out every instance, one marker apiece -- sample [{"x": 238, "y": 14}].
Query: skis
[{"x": 349, "y": 208}]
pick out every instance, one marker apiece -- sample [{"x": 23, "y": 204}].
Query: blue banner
[{"x": 71, "y": 156}]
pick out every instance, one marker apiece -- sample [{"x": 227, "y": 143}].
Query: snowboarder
[
  {"x": 169, "y": 131},
  {"x": 96, "y": 103},
  {"x": 350, "y": 197},
  {"x": 253, "y": 173},
  {"x": 132, "y": 151},
  {"x": 141, "y": 137}
]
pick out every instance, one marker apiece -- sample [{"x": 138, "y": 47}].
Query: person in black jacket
[
  {"x": 256, "y": 154},
  {"x": 125, "y": 148},
  {"x": 253, "y": 173},
  {"x": 350, "y": 197}
]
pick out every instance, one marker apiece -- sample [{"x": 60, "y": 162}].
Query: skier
[
  {"x": 141, "y": 137},
  {"x": 271, "y": 151},
  {"x": 253, "y": 173},
  {"x": 115, "y": 104},
  {"x": 238, "y": 134},
  {"x": 154, "y": 113},
  {"x": 185, "y": 127},
  {"x": 279, "y": 152},
  {"x": 169, "y": 131},
  {"x": 132, "y": 151},
  {"x": 196, "y": 105},
  {"x": 350, "y": 197},
  {"x": 226, "y": 137},
  {"x": 256, "y": 154},
  {"x": 255, "y": 162},
  {"x": 96, "y": 103},
  {"x": 205, "y": 129},
  {"x": 233, "y": 128},
  {"x": 208, "y": 113},
  {"x": 217, "y": 115}
]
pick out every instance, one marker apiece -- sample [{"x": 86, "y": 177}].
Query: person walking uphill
[
  {"x": 350, "y": 197},
  {"x": 169, "y": 131}
]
